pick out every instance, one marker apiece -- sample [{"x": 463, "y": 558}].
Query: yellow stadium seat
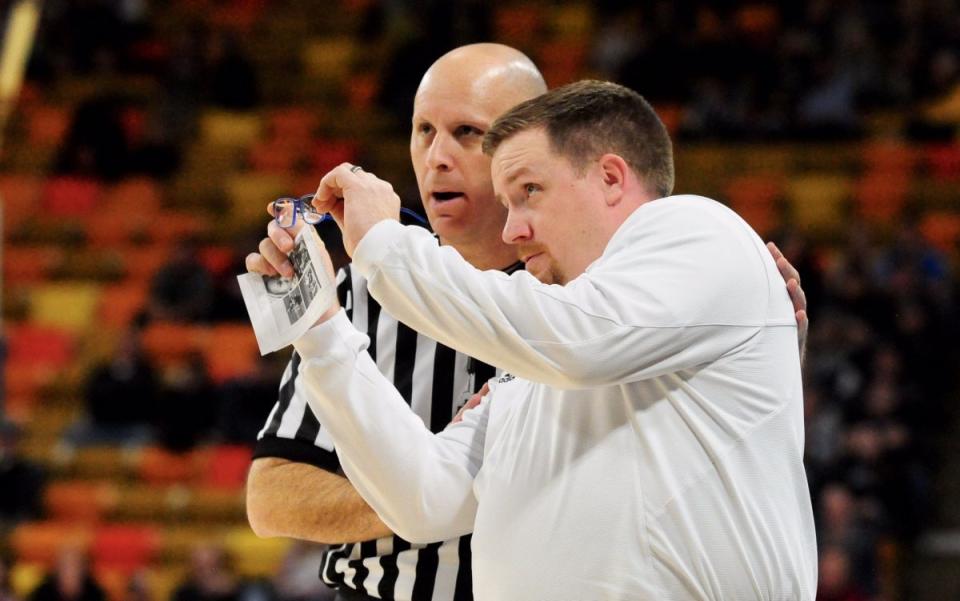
[
  {"x": 69, "y": 305},
  {"x": 328, "y": 58},
  {"x": 254, "y": 556},
  {"x": 230, "y": 129},
  {"x": 25, "y": 577},
  {"x": 818, "y": 202},
  {"x": 250, "y": 193}
]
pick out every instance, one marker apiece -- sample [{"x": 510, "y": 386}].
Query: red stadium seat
[
  {"x": 40, "y": 346},
  {"x": 124, "y": 547},
  {"x": 227, "y": 467},
  {"x": 944, "y": 161},
  {"x": 71, "y": 196}
]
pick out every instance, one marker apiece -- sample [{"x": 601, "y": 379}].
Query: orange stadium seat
[
  {"x": 230, "y": 351},
  {"x": 47, "y": 125},
  {"x": 119, "y": 303},
  {"x": 79, "y": 500},
  {"x": 136, "y": 194},
  {"x": 293, "y": 123},
  {"x": 170, "y": 226},
  {"x": 880, "y": 196},
  {"x": 755, "y": 198},
  {"x": 160, "y": 467},
  {"x": 360, "y": 90},
  {"x": 942, "y": 230},
  {"x": 110, "y": 227},
  {"x": 20, "y": 195},
  {"x": 274, "y": 156},
  {"x": 71, "y": 196},
  {"x": 41, "y": 542},
  {"x": 142, "y": 262},
  {"x": 167, "y": 340},
  {"x": 889, "y": 156},
  {"x": 27, "y": 264}
]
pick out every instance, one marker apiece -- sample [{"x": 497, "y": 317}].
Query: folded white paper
[{"x": 283, "y": 309}]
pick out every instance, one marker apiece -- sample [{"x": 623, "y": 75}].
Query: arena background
[{"x": 147, "y": 138}]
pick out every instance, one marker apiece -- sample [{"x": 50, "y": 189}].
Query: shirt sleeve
[
  {"x": 676, "y": 287},
  {"x": 292, "y": 431},
  {"x": 419, "y": 483}
]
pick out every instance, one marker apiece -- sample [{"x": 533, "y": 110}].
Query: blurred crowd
[{"x": 879, "y": 363}]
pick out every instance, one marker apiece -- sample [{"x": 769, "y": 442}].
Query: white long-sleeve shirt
[{"x": 651, "y": 446}]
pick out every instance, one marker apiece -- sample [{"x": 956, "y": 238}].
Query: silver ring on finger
[{"x": 356, "y": 168}]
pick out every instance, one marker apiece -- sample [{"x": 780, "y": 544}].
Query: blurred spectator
[
  {"x": 210, "y": 578},
  {"x": 233, "y": 80},
  {"x": 138, "y": 587},
  {"x": 20, "y": 480},
  {"x": 182, "y": 289},
  {"x": 96, "y": 144},
  {"x": 297, "y": 579},
  {"x": 245, "y": 400},
  {"x": 835, "y": 582},
  {"x": 70, "y": 581},
  {"x": 187, "y": 405},
  {"x": 120, "y": 395},
  {"x": 6, "y": 590},
  {"x": 843, "y": 527}
]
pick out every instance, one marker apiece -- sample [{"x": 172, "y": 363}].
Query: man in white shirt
[{"x": 650, "y": 445}]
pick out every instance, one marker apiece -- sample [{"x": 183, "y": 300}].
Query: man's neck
[{"x": 487, "y": 256}]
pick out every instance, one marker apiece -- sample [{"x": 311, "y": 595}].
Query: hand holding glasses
[{"x": 286, "y": 209}]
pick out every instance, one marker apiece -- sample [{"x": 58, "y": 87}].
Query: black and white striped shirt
[{"x": 436, "y": 381}]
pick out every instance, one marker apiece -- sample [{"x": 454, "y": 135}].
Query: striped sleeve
[{"x": 291, "y": 430}]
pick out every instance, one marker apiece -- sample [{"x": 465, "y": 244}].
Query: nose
[
  {"x": 516, "y": 229},
  {"x": 439, "y": 156}
]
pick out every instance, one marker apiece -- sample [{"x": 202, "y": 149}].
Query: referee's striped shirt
[{"x": 436, "y": 381}]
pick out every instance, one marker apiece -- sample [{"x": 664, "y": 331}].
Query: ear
[{"x": 614, "y": 171}]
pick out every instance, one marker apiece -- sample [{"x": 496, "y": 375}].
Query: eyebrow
[{"x": 516, "y": 174}]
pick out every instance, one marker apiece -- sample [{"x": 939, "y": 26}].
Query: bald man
[{"x": 295, "y": 487}]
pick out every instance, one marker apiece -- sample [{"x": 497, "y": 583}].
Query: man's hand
[
  {"x": 273, "y": 258},
  {"x": 471, "y": 403},
  {"x": 357, "y": 200},
  {"x": 792, "y": 278}
]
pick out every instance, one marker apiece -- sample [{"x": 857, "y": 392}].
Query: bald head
[
  {"x": 459, "y": 98},
  {"x": 486, "y": 70}
]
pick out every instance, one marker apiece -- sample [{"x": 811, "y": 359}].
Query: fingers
[
  {"x": 283, "y": 238},
  {"x": 797, "y": 296},
  {"x": 255, "y": 263},
  {"x": 330, "y": 191},
  {"x": 276, "y": 258}
]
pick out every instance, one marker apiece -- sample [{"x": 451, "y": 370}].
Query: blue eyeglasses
[{"x": 286, "y": 209}]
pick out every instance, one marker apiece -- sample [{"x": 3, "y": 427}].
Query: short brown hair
[{"x": 587, "y": 119}]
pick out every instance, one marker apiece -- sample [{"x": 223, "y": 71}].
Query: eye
[
  {"x": 530, "y": 189},
  {"x": 468, "y": 130},
  {"x": 424, "y": 129}
]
